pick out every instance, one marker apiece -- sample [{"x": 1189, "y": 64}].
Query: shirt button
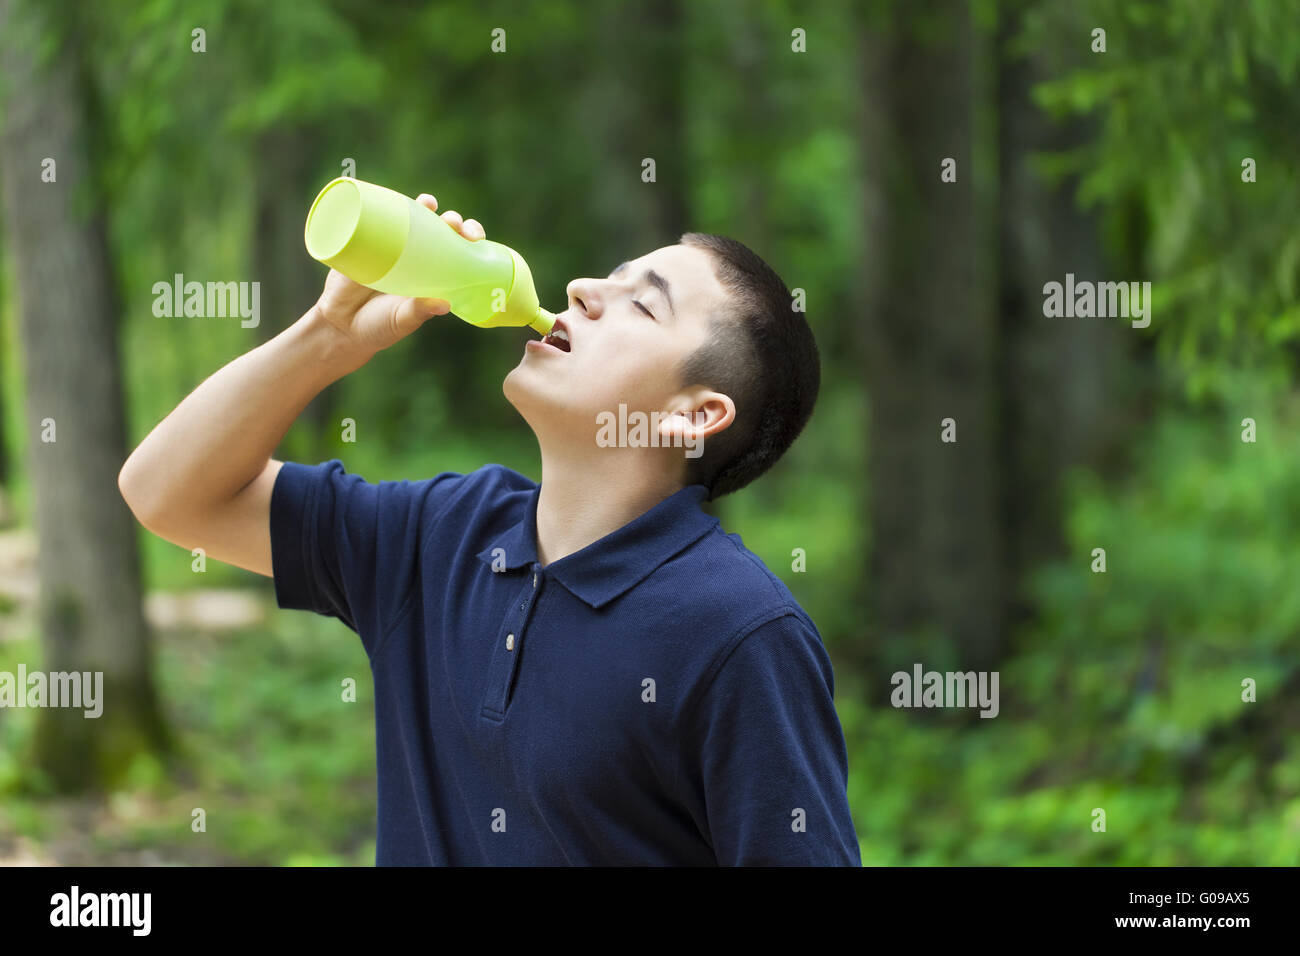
[
  {"x": 534, "y": 579},
  {"x": 510, "y": 642}
]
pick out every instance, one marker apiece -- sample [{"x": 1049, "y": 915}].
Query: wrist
[{"x": 328, "y": 349}]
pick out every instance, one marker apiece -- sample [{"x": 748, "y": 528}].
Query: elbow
[{"x": 129, "y": 486}]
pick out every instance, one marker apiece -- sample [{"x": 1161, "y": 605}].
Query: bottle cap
[{"x": 358, "y": 228}]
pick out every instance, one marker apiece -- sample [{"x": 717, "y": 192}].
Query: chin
[
  {"x": 530, "y": 401},
  {"x": 548, "y": 410},
  {"x": 516, "y": 392}
]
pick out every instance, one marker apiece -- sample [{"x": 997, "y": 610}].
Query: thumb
[
  {"x": 428, "y": 308},
  {"x": 413, "y": 313}
]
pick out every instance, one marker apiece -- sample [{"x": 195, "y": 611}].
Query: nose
[{"x": 586, "y": 294}]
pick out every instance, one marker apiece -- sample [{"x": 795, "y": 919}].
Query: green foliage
[
  {"x": 1185, "y": 91},
  {"x": 1126, "y": 692},
  {"x": 282, "y": 766}
]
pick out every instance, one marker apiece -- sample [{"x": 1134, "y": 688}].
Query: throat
[{"x": 571, "y": 515}]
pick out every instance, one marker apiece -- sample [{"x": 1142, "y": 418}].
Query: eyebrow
[{"x": 655, "y": 279}]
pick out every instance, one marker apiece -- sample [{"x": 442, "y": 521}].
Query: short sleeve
[
  {"x": 347, "y": 548},
  {"x": 766, "y": 763}
]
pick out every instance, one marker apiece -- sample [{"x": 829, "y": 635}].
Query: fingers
[{"x": 469, "y": 228}]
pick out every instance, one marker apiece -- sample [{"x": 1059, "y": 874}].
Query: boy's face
[{"x": 628, "y": 334}]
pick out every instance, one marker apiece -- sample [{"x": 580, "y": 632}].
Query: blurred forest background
[{"x": 1120, "y": 690}]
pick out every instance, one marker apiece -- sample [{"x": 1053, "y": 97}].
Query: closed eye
[{"x": 643, "y": 309}]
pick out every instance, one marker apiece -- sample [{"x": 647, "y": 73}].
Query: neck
[{"x": 585, "y": 497}]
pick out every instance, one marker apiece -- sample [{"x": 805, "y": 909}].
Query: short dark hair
[{"x": 762, "y": 354}]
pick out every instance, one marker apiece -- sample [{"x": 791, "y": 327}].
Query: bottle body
[{"x": 389, "y": 242}]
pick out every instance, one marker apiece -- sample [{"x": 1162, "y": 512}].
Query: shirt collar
[{"x": 605, "y": 569}]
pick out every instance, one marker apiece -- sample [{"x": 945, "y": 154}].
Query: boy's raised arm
[{"x": 203, "y": 477}]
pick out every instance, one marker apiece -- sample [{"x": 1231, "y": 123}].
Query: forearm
[{"x": 222, "y": 435}]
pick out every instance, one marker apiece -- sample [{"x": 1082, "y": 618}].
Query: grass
[{"x": 276, "y": 764}]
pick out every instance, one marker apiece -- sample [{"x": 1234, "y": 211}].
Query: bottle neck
[{"x": 544, "y": 322}]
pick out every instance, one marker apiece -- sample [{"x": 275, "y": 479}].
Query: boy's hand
[{"x": 370, "y": 320}]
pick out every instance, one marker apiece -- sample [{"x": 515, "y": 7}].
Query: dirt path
[{"x": 206, "y": 609}]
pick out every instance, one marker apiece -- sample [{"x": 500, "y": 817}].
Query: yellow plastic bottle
[{"x": 389, "y": 242}]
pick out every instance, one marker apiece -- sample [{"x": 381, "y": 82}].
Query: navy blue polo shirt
[{"x": 656, "y": 698}]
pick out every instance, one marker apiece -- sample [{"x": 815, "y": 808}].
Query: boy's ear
[{"x": 698, "y": 416}]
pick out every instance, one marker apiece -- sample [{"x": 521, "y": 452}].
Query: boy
[{"x": 582, "y": 671}]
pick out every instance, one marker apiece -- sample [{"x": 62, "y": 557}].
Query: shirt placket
[{"x": 505, "y": 661}]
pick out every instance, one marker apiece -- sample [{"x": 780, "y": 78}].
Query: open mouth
[{"x": 558, "y": 337}]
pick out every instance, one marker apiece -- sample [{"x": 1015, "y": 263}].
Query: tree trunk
[
  {"x": 7, "y": 513},
  {"x": 90, "y": 612},
  {"x": 4, "y": 446},
  {"x": 635, "y": 114},
  {"x": 930, "y": 343},
  {"x": 1065, "y": 403}
]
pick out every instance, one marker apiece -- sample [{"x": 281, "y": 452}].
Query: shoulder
[
  {"x": 740, "y": 580},
  {"x": 495, "y": 483},
  {"x": 330, "y": 483},
  {"x": 733, "y": 594},
  {"x": 488, "y": 499}
]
